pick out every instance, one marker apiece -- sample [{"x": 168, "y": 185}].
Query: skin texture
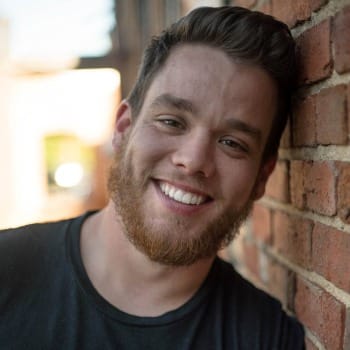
[
  {"x": 209, "y": 136},
  {"x": 202, "y": 129}
]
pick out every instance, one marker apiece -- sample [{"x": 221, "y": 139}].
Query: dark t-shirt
[{"x": 48, "y": 302}]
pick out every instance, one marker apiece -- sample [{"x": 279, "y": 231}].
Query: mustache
[{"x": 198, "y": 181}]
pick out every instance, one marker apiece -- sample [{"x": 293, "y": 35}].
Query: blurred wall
[
  {"x": 136, "y": 22},
  {"x": 35, "y": 106}
]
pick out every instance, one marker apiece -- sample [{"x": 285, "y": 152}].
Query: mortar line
[
  {"x": 313, "y": 277},
  {"x": 334, "y": 222},
  {"x": 313, "y": 339},
  {"x": 327, "y": 11},
  {"x": 320, "y": 153},
  {"x": 334, "y": 80}
]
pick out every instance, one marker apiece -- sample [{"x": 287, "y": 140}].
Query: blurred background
[{"x": 64, "y": 67}]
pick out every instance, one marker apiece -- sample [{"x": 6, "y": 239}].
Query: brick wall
[{"x": 297, "y": 244}]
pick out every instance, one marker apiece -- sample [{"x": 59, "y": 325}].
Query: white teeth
[
  {"x": 194, "y": 200},
  {"x": 167, "y": 188},
  {"x": 180, "y": 195},
  {"x": 187, "y": 198}
]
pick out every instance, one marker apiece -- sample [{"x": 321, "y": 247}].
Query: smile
[{"x": 181, "y": 195}]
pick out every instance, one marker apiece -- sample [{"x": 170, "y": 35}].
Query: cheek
[
  {"x": 146, "y": 146},
  {"x": 237, "y": 182}
]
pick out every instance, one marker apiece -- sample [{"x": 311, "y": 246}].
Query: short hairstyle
[{"x": 244, "y": 35}]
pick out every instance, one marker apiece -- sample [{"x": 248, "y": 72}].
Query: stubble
[{"x": 169, "y": 246}]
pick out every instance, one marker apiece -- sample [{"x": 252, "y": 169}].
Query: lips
[{"x": 182, "y": 196}]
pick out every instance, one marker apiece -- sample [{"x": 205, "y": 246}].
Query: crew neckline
[{"x": 73, "y": 252}]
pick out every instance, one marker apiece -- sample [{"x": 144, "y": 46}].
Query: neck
[{"x": 127, "y": 278}]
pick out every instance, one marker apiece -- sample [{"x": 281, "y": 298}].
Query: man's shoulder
[
  {"x": 33, "y": 227},
  {"x": 256, "y": 310},
  {"x": 26, "y": 248},
  {"x": 36, "y": 234},
  {"x": 241, "y": 293},
  {"x": 35, "y": 271},
  {"x": 237, "y": 285}
]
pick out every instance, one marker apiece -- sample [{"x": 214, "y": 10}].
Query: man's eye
[
  {"x": 171, "y": 123},
  {"x": 233, "y": 144}
]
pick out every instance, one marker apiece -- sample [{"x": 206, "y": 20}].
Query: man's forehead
[
  {"x": 203, "y": 59},
  {"x": 191, "y": 64},
  {"x": 172, "y": 101},
  {"x": 203, "y": 80},
  {"x": 189, "y": 52}
]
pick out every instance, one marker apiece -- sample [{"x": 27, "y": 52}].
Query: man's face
[{"x": 189, "y": 166}]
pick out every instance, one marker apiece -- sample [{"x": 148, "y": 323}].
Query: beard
[{"x": 173, "y": 245}]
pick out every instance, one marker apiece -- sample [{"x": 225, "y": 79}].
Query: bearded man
[{"x": 195, "y": 143}]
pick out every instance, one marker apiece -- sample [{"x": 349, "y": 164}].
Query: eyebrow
[
  {"x": 172, "y": 101},
  {"x": 184, "y": 105},
  {"x": 239, "y": 125}
]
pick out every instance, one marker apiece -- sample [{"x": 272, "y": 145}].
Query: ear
[
  {"x": 122, "y": 123},
  {"x": 266, "y": 169}
]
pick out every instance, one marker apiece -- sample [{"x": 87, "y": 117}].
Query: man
[{"x": 195, "y": 143}]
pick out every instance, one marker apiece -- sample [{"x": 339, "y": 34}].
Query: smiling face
[{"x": 189, "y": 166}]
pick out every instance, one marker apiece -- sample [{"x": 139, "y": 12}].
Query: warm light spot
[{"x": 69, "y": 174}]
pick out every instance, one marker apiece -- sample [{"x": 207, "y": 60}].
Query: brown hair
[{"x": 249, "y": 36}]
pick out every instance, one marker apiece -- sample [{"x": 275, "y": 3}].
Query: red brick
[
  {"x": 262, "y": 223},
  {"x": 297, "y": 186},
  {"x": 320, "y": 191},
  {"x": 265, "y": 7},
  {"x": 251, "y": 257},
  {"x": 341, "y": 29},
  {"x": 292, "y": 238},
  {"x": 278, "y": 184},
  {"x": 348, "y": 109},
  {"x": 304, "y": 123},
  {"x": 347, "y": 330},
  {"x": 292, "y": 12},
  {"x": 321, "y": 313},
  {"x": 331, "y": 123},
  {"x": 330, "y": 255},
  {"x": 317, "y": 4},
  {"x": 244, "y": 3},
  {"x": 310, "y": 345},
  {"x": 343, "y": 192},
  {"x": 315, "y": 53},
  {"x": 281, "y": 283},
  {"x": 284, "y": 11},
  {"x": 311, "y": 6}
]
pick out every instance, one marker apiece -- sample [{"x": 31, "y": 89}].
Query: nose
[{"x": 195, "y": 155}]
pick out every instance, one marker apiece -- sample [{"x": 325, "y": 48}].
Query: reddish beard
[{"x": 166, "y": 246}]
